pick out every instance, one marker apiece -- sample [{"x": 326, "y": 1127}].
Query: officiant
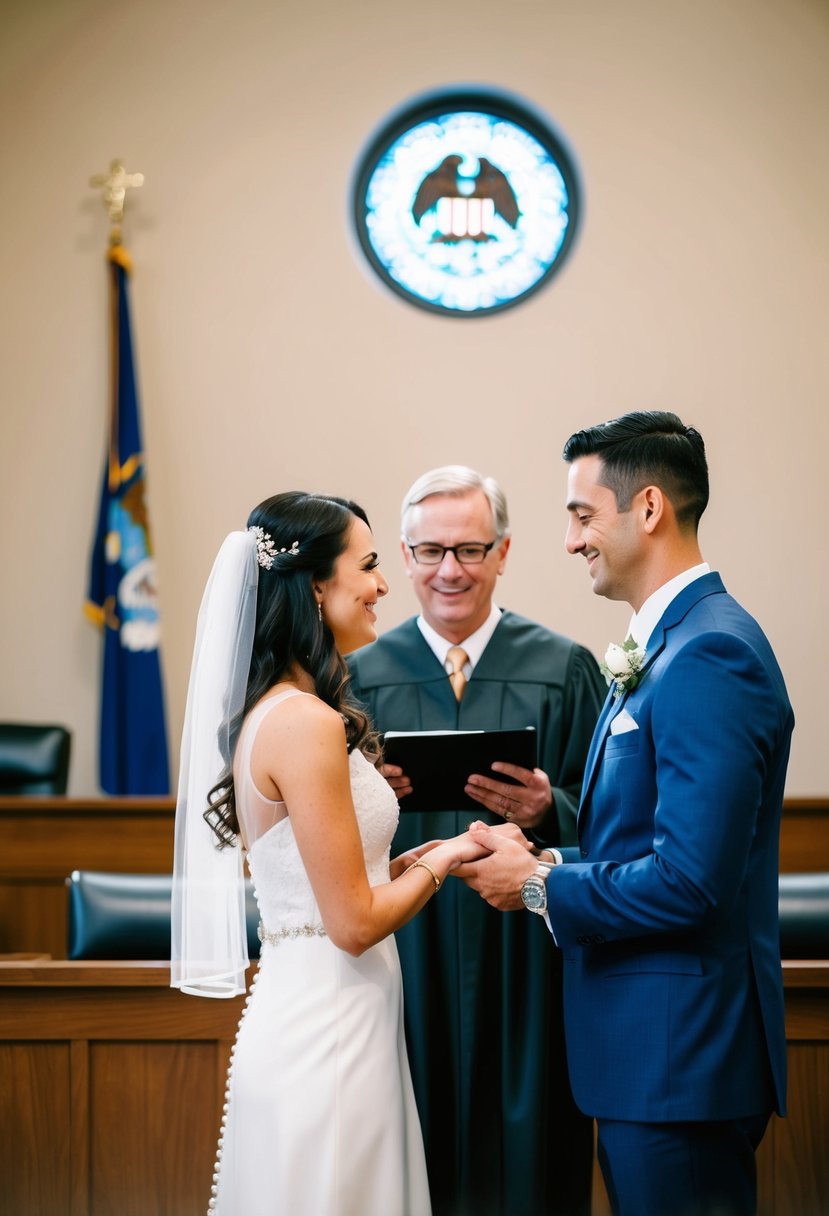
[{"x": 483, "y": 991}]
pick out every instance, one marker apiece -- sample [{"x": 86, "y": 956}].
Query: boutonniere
[{"x": 622, "y": 665}]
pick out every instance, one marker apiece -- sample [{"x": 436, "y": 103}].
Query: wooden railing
[
  {"x": 110, "y": 1090},
  {"x": 111, "y": 1086},
  {"x": 122, "y": 1078},
  {"x": 42, "y": 840}
]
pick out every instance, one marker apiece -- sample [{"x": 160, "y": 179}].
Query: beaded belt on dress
[{"x": 275, "y": 936}]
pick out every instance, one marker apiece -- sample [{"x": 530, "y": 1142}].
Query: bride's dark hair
[{"x": 289, "y": 631}]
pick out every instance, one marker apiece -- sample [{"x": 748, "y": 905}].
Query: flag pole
[{"x": 123, "y": 596}]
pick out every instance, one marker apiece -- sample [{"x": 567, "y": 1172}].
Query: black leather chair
[
  {"x": 804, "y": 915},
  {"x": 34, "y": 758},
  {"x": 127, "y": 916}
]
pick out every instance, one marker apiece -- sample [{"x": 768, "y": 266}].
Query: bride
[{"x": 278, "y": 765}]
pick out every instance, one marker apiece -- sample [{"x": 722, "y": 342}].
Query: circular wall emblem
[{"x": 466, "y": 202}]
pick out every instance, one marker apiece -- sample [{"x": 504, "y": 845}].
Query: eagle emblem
[{"x": 464, "y": 207}]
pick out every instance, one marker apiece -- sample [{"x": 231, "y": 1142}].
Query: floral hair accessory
[
  {"x": 622, "y": 665},
  {"x": 266, "y": 550}
]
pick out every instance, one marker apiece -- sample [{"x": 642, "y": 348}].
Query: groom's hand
[{"x": 499, "y": 877}]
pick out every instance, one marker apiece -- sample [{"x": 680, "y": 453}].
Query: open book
[{"x": 439, "y": 762}]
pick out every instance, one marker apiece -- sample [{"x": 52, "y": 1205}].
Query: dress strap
[
  {"x": 265, "y": 706},
  {"x": 250, "y": 730}
]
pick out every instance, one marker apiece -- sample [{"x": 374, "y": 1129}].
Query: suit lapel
[
  {"x": 677, "y": 610},
  {"x": 609, "y": 711},
  {"x": 708, "y": 584}
]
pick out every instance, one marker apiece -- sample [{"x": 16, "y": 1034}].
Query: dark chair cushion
[
  {"x": 125, "y": 916},
  {"x": 804, "y": 915},
  {"x": 34, "y": 759}
]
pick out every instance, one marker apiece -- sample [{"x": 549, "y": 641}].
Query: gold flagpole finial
[{"x": 113, "y": 187}]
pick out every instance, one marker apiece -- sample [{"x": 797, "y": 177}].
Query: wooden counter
[
  {"x": 793, "y": 1160},
  {"x": 111, "y": 1087},
  {"x": 45, "y": 839}
]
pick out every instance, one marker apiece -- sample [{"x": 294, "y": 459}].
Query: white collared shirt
[
  {"x": 643, "y": 622},
  {"x": 474, "y": 645}
]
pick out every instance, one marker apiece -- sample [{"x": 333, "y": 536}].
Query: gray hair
[{"x": 456, "y": 480}]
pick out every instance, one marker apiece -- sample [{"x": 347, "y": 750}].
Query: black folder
[{"x": 439, "y": 763}]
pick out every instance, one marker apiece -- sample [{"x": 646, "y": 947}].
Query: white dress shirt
[{"x": 643, "y": 622}]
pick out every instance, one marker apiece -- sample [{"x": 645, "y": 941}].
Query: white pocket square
[{"x": 622, "y": 723}]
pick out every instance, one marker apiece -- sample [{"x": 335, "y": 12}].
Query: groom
[{"x": 666, "y": 912}]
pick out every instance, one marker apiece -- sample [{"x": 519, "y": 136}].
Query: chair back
[
  {"x": 34, "y": 759},
  {"x": 127, "y": 916},
  {"x": 804, "y": 915}
]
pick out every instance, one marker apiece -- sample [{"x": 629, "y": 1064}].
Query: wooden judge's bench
[{"x": 111, "y": 1083}]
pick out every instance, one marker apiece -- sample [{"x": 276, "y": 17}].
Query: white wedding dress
[{"x": 320, "y": 1118}]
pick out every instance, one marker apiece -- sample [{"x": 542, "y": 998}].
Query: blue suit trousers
[{"x": 681, "y": 1169}]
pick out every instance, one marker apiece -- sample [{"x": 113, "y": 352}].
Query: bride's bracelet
[{"x": 425, "y": 866}]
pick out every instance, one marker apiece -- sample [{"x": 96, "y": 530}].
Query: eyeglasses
[{"x": 471, "y": 554}]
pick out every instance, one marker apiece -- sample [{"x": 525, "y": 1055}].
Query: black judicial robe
[{"x": 482, "y": 988}]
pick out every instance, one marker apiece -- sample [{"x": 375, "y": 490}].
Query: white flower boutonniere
[{"x": 622, "y": 665}]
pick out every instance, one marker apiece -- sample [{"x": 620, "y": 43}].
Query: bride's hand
[
  {"x": 478, "y": 832},
  {"x": 464, "y": 848},
  {"x": 509, "y": 830},
  {"x": 398, "y": 865}
]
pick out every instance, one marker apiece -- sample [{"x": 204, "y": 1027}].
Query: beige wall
[{"x": 269, "y": 359}]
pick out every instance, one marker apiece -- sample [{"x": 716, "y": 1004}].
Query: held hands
[
  {"x": 467, "y": 848},
  {"x": 494, "y": 861},
  {"x": 455, "y": 853},
  {"x": 525, "y": 804},
  {"x": 499, "y": 875}
]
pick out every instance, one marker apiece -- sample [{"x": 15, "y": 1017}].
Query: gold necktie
[{"x": 457, "y": 656}]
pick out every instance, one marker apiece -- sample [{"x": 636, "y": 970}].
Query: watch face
[
  {"x": 534, "y": 894},
  {"x": 466, "y": 202}
]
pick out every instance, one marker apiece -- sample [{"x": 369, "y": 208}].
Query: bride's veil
[{"x": 209, "y": 953}]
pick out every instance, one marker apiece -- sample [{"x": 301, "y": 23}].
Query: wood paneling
[
  {"x": 804, "y": 836},
  {"x": 794, "y": 1156},
  {"x": 153, "y": 1138},
  {"x": 111, "y": 1087},
  {"x": 35, "y": 1128},
  {"x": 116, "y": 1008},
  {"x": 44, "y": 836},
  {"x": 798, "y": 1147}
]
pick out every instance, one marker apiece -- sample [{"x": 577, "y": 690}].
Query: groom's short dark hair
[{"x": 648, "y": 447}]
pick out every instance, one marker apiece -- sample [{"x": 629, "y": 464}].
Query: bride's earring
[{"x": 319, "y": 610}]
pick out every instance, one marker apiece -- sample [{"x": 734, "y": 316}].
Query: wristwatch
[{"x": 534, "y": 890}]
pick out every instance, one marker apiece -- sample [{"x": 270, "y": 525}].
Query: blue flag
[{"x": 123, "y": 594}]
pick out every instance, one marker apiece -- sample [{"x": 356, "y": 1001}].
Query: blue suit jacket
[{"x": 667, "y": 912}]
